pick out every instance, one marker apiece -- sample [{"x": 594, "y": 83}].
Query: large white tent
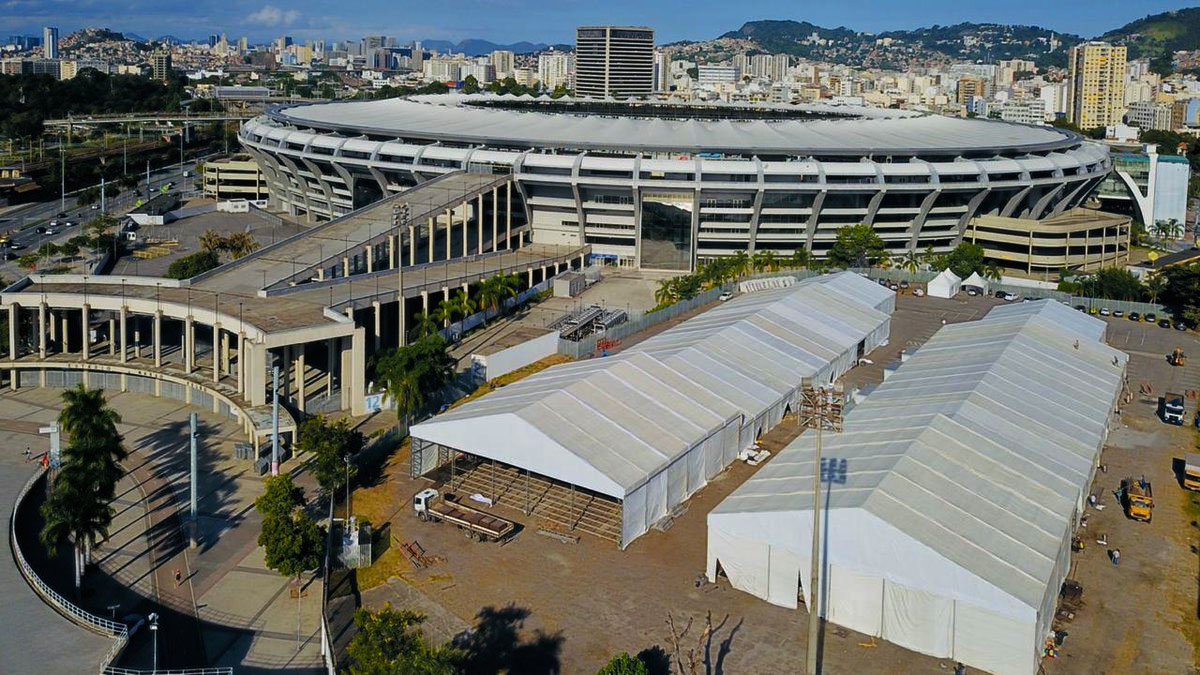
[
  {"x": 651, "y": 425},
  {"x": 946, "y": 284},
  {"x": 966, "y": 472}
]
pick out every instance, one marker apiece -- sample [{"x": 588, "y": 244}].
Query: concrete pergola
[{"x": 314, "y": 305}]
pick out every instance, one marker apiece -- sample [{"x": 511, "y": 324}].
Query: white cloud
[{"x": 272, "y": 16}]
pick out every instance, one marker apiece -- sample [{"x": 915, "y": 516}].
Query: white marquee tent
[
  {"x": 966, "y": 473},
  {"x": 977, "y": 281},
  {"x": 946, "y": 284},
  {"x": 651, "y": 425}
]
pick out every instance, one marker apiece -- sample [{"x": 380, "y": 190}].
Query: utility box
[{"x": 569, "y": 284}]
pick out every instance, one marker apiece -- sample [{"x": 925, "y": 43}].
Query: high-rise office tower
[
  {"x": 615, "y": 61},
  {"x": 161, "y": 66},
  {"x": 662, "y": 71},
  {"x": 50, "y": 42},
  {"x": 1096, "y": 97}
]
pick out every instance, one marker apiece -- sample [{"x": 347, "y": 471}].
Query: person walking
[
  {"x": 960, "y": 669},
  {"x": 28, "y": 454},
  {"x": 178, "y": 577},
  {"x": 1116, "y": 557}
]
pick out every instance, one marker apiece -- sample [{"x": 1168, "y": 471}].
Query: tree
[
  {"x": 390, "y": 642},
  {"x": 857, "y": 246},
  {"x": 333, "y": 446},
  {"x": 965, "y": 260},
  {"x": 414, "y": 373},
  {"x": 463, "y": 304},
  {"x": 78, "y": 507},
  {"x": 193, "y": 265},
  {"x": 497, "y": 290},
  {"x": 1114, "y": 284},
  {"x": 800, "y": 258},
  {"x": 445, "y": 313},
  {"x": 741, "y": 264},
  {"x": 240, "y": 244},
  {"x": 211, "y": 240},
  {"x": 292, "y": 540},
  {"x": 423, "y": 325},
  {"x": 666, "y": 293},
  {"x": 470, "y": 85},
  {"x": 624, "y": 664},
  {"x": 1155, "y": 285},
  {"x": 1181, "y": 292},
  {"x": 73, "y": 513}
]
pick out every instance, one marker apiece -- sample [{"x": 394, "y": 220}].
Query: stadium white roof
[
  {"x": 866, "y": 130},
  {"x": 979, "y": 448},
  {"x": 608, "y": 424}
]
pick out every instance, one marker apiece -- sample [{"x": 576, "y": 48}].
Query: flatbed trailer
[
  {"x": 480, "y": 525},
  {"x": 1139, "y": 498},
  {"x": 1191, "y": 471}
]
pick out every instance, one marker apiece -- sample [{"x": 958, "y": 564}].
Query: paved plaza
[{"x": 229, "y": 610}]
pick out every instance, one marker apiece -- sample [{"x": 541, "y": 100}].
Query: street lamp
[
  {"x": 346, "y": 458},
  {"x": 154, "y": 632}
]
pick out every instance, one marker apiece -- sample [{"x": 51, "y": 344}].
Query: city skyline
[{"x": 484, "y": 20}]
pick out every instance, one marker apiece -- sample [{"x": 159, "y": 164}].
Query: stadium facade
[{"x": 663, "y": 186}]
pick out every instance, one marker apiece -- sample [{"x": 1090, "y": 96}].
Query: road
[{"x": 25, "y": 219}]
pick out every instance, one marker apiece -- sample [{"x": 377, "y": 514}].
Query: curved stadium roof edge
[{"x": 654, "y": 127}]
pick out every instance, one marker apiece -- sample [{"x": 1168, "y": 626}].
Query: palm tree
[
  {"x": 911, "y": 261},
  {"x": 423, "y": 324},
  {"x": 800, "y": 258},
  {"x": 759, "y": 261},
  {"x": 770, "y": 260},
  {"x": 1154, "y": 285},
  {"x": 211, "y": 240},
  {"x": 445, "y": 313},
  {"x": 74, "y": 513},
  {"x": 495, "y": 291},
  {"x": 666, "y": 292},
  {"x": 991, "y": 271},
  {"x": 464, "y": 306},
  {"x": 741, "y": 264},
  {"x": 240, "y": 244},
  {"x": 94, "y": 442}
]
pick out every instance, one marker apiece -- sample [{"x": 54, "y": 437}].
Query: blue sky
[{"x": 544, "y": 20}]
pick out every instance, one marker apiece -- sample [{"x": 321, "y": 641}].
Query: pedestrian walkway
[{"x": 227, "y": 609}]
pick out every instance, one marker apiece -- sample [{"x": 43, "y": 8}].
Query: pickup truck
[
  {"x": 1173, "y": 408},
  {"x": 1138, "y": 498},
  {"x": 432, "y": 506}
]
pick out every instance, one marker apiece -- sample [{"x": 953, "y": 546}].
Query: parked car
[
  {"x": 972, "y": 291},
  {"x": 1082, "y": 308},
  {"x": 1010, "y": 297},
  {"x": 904, "y": 285},
  {"x": 1179, "y": 325},
  {"x": 1164, "y": 323},
  {"x": 1118, "y": 313},
  {"x": 725, "y": 296},
  {"x": 1001, "y": 294},
  {"x": 1134, "y": 316},
  {"x": 1149, "y": 317}
]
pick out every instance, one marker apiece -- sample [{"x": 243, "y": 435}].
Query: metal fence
[
  {"x": 80, "y": 616},
  {"x": 588, "y": 345},
  {"x": 168, "y": 671}
]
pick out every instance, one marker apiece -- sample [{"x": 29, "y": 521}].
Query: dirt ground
[{"x": 582, "y": 603}]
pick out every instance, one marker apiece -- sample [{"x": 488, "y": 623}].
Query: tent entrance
[{"x": 555, "y": 505}]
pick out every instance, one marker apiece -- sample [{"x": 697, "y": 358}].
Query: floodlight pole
[
  {"x": 818, "y": 407},
  {"x": 275, "y": 421}
]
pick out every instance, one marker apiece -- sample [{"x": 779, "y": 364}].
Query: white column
[
  {"x": 122, "y": 344},
  {"x": 42, "y": 330},
  {"x": 479, "y": 224},
  {"x": 112, "y": 336},
  {"x": 189, "y": 344},
  {"x": 13, "y": 317},
  {"x": 84, "y": 321},
  {"x": 216, "y": 351},
  {"x": 508, "y": 214},
  {"x": 449, "y": 232},
  {"x": 495, "y": 216},
  {"x": 300, "y": 375},
  {"x": 158, "y": 338}
]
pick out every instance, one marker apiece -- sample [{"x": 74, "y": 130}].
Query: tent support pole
[
  {"x": 453, "y": 461},
  {"x": 493, "y": 475},
  {"x": 527, "y": 492},
  {"x": 573, "y": 521}
]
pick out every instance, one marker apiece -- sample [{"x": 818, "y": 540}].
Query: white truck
[{"x": 432, "y": 506}]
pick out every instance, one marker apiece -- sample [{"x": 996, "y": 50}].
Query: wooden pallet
[{"x": 550, "y": 501}]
